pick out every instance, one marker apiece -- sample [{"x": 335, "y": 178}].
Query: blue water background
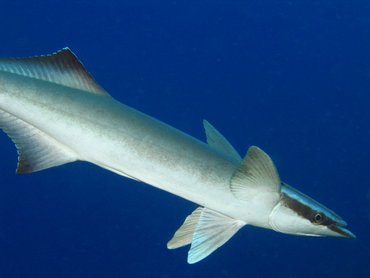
[{"x": 292, "y": 77}]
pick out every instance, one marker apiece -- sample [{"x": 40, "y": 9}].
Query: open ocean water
[{"x": 292, "y": 77}]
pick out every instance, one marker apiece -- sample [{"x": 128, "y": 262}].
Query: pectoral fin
[
  {"x": 217, "y": 141},
  {"x": 206, "y": 230},
  {"x": 256, "y": 175}
]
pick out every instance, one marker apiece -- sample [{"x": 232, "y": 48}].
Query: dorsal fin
[
  {"x": 217, "y": 141},
  {"x": 61, "y": 67}
]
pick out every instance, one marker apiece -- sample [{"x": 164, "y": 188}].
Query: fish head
[{"x": 298, "y": 214}]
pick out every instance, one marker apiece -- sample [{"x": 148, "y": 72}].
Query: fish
[{"x": 56, "y": 113}]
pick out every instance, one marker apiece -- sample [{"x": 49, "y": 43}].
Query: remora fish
[{"x": 55, "y": 113}]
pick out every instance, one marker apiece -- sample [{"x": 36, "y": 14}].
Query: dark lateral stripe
[
  {"x": 296, "y": 206},
  {"x": 306, "y": 211},
  {"x": 341, "y": 231}
]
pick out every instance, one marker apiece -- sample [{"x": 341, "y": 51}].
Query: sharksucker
[{"x": 56, "y": 113}]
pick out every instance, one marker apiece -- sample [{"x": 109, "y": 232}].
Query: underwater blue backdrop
[{"x": 292, "y": 77}]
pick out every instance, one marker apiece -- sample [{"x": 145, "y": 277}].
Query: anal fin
[{"x": 36, "y": 150}]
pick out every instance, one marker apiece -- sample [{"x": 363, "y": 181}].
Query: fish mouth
[{"x": 341, "y": 231}]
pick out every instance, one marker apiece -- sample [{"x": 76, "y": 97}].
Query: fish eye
[{"x": 318, "y": 218}]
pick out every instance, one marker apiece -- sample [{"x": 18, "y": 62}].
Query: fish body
[
  {"x": 56, "y": 113},
  {"x": 98, "y": 129}
]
